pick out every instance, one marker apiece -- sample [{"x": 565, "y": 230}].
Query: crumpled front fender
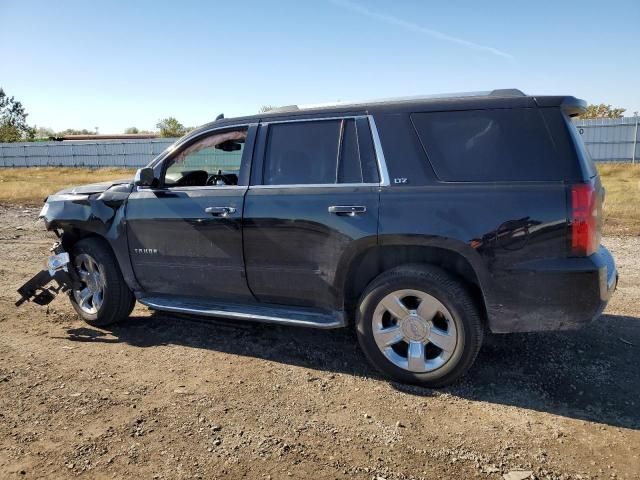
[{"x": 102, "y": 214}]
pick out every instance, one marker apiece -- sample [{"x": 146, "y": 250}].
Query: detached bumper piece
[{"x": 37, "y": 289}]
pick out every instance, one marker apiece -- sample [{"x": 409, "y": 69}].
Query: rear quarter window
[{"x": 494, "y": 145}]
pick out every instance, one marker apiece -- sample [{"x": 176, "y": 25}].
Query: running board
[{"x": 295, "y": 316}]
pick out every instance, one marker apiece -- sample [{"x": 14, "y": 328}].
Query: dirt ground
[{"x": 165, "y": 397}]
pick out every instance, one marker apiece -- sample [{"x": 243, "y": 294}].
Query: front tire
[
  {"x": 104, "y": 297},
  {"x": 419, "y": 324}
]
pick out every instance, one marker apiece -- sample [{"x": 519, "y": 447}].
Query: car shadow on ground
[{"x": 591, "y": 374}]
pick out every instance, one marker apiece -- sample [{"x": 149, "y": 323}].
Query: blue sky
[{"x": 115, "y": 64}]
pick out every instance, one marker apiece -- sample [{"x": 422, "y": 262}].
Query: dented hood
[{"x": 94, "y": 187}]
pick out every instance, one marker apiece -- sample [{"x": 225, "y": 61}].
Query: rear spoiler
[{"x": 572, "y": 106}]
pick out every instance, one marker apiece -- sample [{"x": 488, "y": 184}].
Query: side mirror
[{"x": 144, "y": 177}]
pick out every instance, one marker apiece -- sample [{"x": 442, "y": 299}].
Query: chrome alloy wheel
[
  {"x": 90, "y": 297},
  {"x": 414, "y": 330}
]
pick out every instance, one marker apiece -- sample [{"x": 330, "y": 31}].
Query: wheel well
[
  {"x": 374, "y": 261},
  {"x": 71, "y": 236}
]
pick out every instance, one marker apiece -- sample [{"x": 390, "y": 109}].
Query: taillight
[{"x": 584, "y": 220}]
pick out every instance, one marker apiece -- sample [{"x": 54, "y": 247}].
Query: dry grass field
[
  {"x": 30, "y": 186},
  {"x": 622, "y": 199}
]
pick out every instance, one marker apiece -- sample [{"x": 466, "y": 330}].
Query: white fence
[
  {"x": 611, "y": 139},
  {"x": 103, "y": 153},
  {"x": 608, "y": 140}
]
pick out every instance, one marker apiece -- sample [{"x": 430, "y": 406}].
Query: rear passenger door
[{"x": 312, "y": 204}]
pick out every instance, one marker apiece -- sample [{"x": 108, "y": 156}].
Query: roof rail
[
  {"x": 286, "y": 108},
  {"x": 504, "y": 92},
  {"x": 507, "y": 92}
]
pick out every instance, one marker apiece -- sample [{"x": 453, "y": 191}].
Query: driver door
[{"x": 185, "y": 237}]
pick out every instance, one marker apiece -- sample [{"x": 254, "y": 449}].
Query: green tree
[
  {"x": 131, "y": 130},
  {"x": 75, "y": 131},
  {"x": 42, "y": 133},
  {"x": 170, "y": 127},
  {"x": 13, "y": 120},
  {"x": 603, "y": 111}
]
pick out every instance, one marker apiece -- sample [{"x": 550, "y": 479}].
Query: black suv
[{"x": 423, "y": 221}]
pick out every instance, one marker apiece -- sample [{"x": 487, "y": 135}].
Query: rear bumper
[
  {"x": 552, "y": 294},
  {"x": 607, "y": 276}
]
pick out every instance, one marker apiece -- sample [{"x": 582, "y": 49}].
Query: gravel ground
[{"x": 162, "y": 396}]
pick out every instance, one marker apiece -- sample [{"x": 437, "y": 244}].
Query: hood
[{"x": 94, "y": 187}]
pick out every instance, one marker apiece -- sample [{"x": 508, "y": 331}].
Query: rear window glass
[
  {"x": 489, "y": 145},
  {"x": 317, "y": 152},
  {"x": 302, "y": 153},
  {"x": 349, "y": 170}
]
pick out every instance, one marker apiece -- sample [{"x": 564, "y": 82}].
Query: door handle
[
  {"x": 348, "y": 210},
  {"x": 220, "y": 211}
]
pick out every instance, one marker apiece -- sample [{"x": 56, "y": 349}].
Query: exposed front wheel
[
  {"x": 419, "y": 324},
  {"x": 103, "y": 298}
]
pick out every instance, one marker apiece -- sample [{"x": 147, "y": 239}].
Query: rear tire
[
  {"x": 104, "y": 298},
  {"x": 419, "y": 324}
]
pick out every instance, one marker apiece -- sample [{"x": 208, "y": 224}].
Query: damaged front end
[
  {"x": 60, "y": 270},
  {"x": 73, "y": 214}
]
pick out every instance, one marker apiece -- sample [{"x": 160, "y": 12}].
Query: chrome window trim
[
  {"x": 314, "y": 185},
  {"x": 207, "y": 187},
  {"x": 377, "y": 145},
  {"x": 193, "y": 188}
]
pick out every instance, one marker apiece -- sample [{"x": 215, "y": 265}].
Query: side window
[
  {"x": 349, "y": 170},
  {"x": 312, "y": 152},
  {"x": 301, "y": 153},
  {"x": 212, "y": 160},
  {"x": 489, "y": 145}
]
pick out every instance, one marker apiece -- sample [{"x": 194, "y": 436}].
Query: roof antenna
[{"x": 220, "y": 117}]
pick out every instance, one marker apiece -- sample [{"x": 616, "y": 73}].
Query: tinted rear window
[
  {"x": 349, "y": 170},
  {"x": 302, "y": 153},
  {"x": 318, "y": 152},
  {"x": 489, "y": 145}
]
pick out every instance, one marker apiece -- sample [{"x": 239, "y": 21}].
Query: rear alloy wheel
[
  {"x": 419, "y": 324},
  {"x": 414, "y": 330}
]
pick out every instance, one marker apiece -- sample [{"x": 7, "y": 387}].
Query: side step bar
[{"x": 295, "y": 316}]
